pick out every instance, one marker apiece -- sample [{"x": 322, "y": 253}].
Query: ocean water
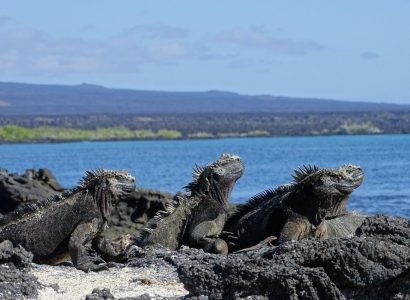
[{"x": 167, "y": 165}]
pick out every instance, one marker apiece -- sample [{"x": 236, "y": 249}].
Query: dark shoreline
[{"x": 111, "y": 127}]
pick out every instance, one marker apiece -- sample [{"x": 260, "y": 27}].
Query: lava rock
[
  {"x": 100, "y": 294},
  {"x": 375, "y": 264},
  {"x": 34, "y": 185},
  {"x": 15, "y": 280},
  {"x": 132, "y": 212}
]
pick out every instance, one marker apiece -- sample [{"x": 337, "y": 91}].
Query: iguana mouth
[
  {"x": 346, "y": 188},
  {"x": 353, "y": 178},
  {"x": 128, "y": 188},
  {"x": 357, "y": 177}
]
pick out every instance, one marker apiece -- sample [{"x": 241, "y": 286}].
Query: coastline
[{"x": 241, "y": 136}]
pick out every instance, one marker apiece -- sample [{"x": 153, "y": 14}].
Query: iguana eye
[{"x": 216, "y": 176}]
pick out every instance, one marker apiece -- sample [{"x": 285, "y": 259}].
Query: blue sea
[{"x": 167, "y": 165}]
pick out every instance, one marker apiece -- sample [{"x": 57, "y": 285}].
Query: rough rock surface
[
  {"x": 34, "y": 185},
  {"x": 132, "y": 212},
  {"x": 15, "y": 279},
  {"x": 374, "y": 264}
]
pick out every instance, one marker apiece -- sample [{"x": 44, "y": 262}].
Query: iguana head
[
  {"x": 324, "y": 193},
  {"x": 107, "y": 186},
  {"x": 218, "y": 178}
]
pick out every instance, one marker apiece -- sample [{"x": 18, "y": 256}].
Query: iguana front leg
[
  {"x": 293, "y": 230},
  {"x": 205, "y": 236},
  {"x": 79, "y": 247}
]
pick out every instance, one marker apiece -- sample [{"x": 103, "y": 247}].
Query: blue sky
[{"x": 353, "y": 50}]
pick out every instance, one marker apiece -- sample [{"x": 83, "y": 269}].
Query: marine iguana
[
  {"x": 68, "y": 222},
  {"x": 197, "y": 218},
  {"x": 297, "y": 210}
]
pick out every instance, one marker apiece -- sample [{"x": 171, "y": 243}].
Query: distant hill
[{"x": 34, "y": 99}]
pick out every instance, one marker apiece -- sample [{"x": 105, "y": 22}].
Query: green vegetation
[
  {"x": 168, "y": 134},
  {"x": 198, "y": 127},
  {"x": 12, "y": 133},
  {"x": 358, "y": 128}
]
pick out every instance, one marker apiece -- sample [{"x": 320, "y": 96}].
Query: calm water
[{"x": 167, "y": 165}]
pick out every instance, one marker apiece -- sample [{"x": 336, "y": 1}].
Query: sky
[{"x": 350, "y": 49}]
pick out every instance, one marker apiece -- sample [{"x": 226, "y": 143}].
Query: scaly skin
[
  {"x": 197, "y": 218},
  {"x": 345, "y": 225},
  {"x": 295, "y": 211},
  {"x": 70, "y": 222}
]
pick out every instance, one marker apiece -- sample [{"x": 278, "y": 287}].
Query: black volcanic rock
[
  {"x": 131, "y": 213},
  {"x": 34, "y": 185},
  {"x": 100, "y": 294},
  {"x": 15, "y": 280}
]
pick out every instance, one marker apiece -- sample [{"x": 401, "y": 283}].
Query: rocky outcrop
[
  {"x": 15, "y": 280},
  {"x": 133, "y": 211},
  {"x": 373, "y": 264},
  {"x": 33, "y": 185}
]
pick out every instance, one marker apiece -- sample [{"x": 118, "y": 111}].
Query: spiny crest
[
  {"x": 91, "y": 176},
  {"x": 302, "y": 172},
  {"x": 196, "y": 174},
  {"x": 258, "y": 199},
  {"x": 152, "y": 224}
]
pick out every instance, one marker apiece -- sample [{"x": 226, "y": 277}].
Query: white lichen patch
[{"x": 60, "y": 282}]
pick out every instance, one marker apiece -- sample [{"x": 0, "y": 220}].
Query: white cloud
[
  {"x": 260, "y": 37},
  {"x": 24, "y": 50}
]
